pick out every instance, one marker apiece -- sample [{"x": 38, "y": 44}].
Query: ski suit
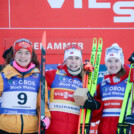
[
  {"x": 20, "y": 100},
  {"x": 64, "y": 112},
  {"x": 111, "y": 93}
]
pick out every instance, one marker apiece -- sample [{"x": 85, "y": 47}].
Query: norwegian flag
[
  {"x": 112, "y": 54},
  {"x": 71, "y": 52}
]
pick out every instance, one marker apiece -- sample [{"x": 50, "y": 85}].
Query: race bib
[{"x": 19, "y": 102}]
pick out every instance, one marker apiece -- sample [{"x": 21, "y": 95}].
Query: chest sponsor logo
[
  {"x": 70, "y": 81},
  {"x": 63, "y": 95}
]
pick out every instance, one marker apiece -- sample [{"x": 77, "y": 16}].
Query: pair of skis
[
  {"x": 42, "y": 93},
  {"x": 90, "y": 82},
  {"x": 127, "y": 108}
]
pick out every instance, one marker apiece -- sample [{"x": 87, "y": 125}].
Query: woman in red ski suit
[
  {"x": 111, "y": 90},
  {"x": 63, "y": 82}
]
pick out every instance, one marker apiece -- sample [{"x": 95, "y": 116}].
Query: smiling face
[
  {"x": 23, "y": 57},
  {"x": 113, "y": 65},
  {"x": 73, "y": 63}
]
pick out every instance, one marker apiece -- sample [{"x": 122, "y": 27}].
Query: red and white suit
[{"x": 64, "y": 111}]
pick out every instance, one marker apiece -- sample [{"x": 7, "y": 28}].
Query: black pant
[{"x": 4, "y": 132}]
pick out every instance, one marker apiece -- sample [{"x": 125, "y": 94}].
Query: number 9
[{"x": 23, "y": 98}]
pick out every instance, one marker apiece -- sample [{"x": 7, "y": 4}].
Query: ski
[
  {"x": 91, "y": 81},
  {"x": 92, "y": 61},
  {"x": 42, "y": 93},
  {"x": 93, "y": 84},
  {"x": 87, "y": 78},
  {"x": 127, "y": 102},
  {"x": 81, "y": 125},
  {"x": 124, "y": 104}
]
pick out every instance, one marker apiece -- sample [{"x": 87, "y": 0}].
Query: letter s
[{"x": 128, "y": 13}]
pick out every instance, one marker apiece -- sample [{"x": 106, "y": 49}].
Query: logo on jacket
[
  {"x": 12, "y": 82},
  {"x": 63, "y": 95},
  {"x": 125, "y": 80},
  {"x": 63, "y": 79},
  {"x": 116, "y": 80},
  {"x": 35, "y": 75},
  {"x": 105, "y": 89}
]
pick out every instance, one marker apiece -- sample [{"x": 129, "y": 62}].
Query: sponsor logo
[
  {"x": 115, "y": 88},
  {"x": 12, "y": 82},
  {"x": 25, "y": 82},
  {"x": 123, "y": 10},
  {"x": 63, "y": 95},
  {"x": 69, "y": 81}
]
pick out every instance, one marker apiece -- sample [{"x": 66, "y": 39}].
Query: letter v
[{"x": 55, "y": 3}]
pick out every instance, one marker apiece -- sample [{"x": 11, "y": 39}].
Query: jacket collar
[
  {"x": 10, "y": 71},
  {"x": 113, "y": 79},
  {"x": 64, "y": 67}
]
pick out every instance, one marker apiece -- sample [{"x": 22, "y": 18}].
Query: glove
[
  {"x": 88, "y": 66},
  {"x": 45, "y": 122},
  {"x": 123, "y": 128},
  {"x": 91, "y": 103}
]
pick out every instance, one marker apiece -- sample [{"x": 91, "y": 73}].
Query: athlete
[
  {"x": 63, "y": 82},
  {"x": 111, "y": 90},
  {"x": 20, "y": 91}
]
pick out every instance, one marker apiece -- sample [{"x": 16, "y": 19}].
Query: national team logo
[
  {"x": 108, "y": 80},
  {"x": 125, "y": 80},
  {"x": 116, "y": 80},
  {"x": 62, "y": 72},
  {"x": 103, "y": 83},
  {"x": 35, "y": 75}
]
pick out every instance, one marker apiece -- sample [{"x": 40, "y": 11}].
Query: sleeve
[
  {"x": 1, "y": 85},
  {"x": 50, "y": 75},
  {"x": 47, "y": 112},
  {"x": 96, "y": 114}
]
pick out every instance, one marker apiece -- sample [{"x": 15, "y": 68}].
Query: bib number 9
[{"x": 22, "y": 98}]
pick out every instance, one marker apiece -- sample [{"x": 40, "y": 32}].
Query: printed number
[{"x": 23, "y": 98}]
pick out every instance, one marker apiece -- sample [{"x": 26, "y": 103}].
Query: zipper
[
  {"x": 21, "y": 116},
  {"x": 22, "y": 123}
]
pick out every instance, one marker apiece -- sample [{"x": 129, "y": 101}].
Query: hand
[
  {"x": 91, "y": 103},
  {"x": 123, "y": 128},
  {"x": 45, "y": 122},
  {"x": 88, "y": 66}
]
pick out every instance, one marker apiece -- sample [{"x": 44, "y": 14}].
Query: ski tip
[
  {"x": 94, "y": 40},
  {"x": 44, "y": 40},
  {"x": 100, "y": 41}
]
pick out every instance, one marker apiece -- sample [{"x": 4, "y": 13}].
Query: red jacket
[
  {"x": 109, "y": 119},
  {"x": 64, "y": 112}
]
